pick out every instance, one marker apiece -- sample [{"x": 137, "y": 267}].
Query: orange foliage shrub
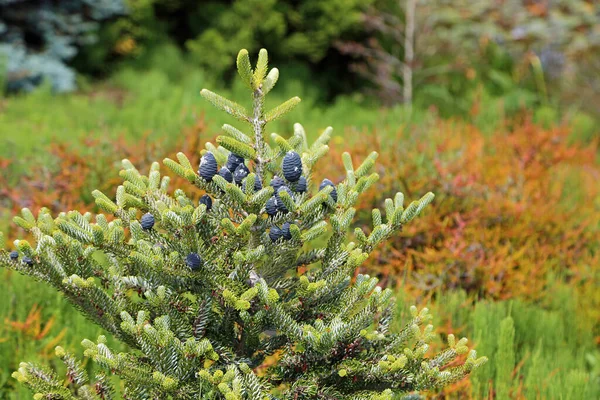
[
  {"x": 510, "y": 209},
  {"x": 68, "y": 184},
  {"x": 33, "y": 330}
]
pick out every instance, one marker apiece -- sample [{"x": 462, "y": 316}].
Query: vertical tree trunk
[{"x": 409, "y": 54}]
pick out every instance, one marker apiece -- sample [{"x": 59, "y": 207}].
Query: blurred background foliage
[
  {"x": 39, "y": 39},
  {"x": 526, "y": 51},
  {"x": 502, "y": 125}
]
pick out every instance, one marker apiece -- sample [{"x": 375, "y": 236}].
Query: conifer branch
[
  {"x": 204, "y": 291},
  {"x": 258, "y": 124}
]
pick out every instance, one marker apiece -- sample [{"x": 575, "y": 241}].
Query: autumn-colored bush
[
  {"x": 78, "y": 170},
  {"x": 512, "y": 209}
]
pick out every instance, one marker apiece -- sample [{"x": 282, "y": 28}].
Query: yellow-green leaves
[
  {"x": 27, "y": 221},
  {"x": 258, "y": 77},
  {"x": 242, "y": 229},
  {"x": 460, "y": 347},
  {"x": 166, "y": 382},
  {"x": 226, "y": 105},
  {"x": 237, "y": 134},
  {"x": 184, "y": 161},
  {"x": 366, "y": 165},
  {"x": 237, "y": 147},
  {"x": 392, "y": 363},
  {"x": 416, "y": 207},
  {"x": 347, "y": 160},
  {"x": 24, "y": 247},
  {"x": 242, "y": 302},
  {"x": 245, "y": 68},
  {"x": 178, "y": 169},
  {"x": 261, "y": 68},
  {"x": 282, "y": 143},
  {"x": 103, "y": 202},
  {"x": 282, "y": 109},
  {"x": 315, "y": 231},
  {"x": 270, "y": 80},
  {"x": 307, "y": 288}
]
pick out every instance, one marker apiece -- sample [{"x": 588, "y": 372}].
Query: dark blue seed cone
[
  {"x": 226, "y": 174},
  {"x": 27, "y": 260},
  {"x": 275, "y": 234},
  {"x": 193, "y": 261},
  {"x": 277, "y": 182},
  {"x": 282, "y": 207},
  {"x": 207, "y": 201},
  {"x": 208, "y": 166},
  {"x": 147, "y": 221},
  {"x": 285, "y": 231},
  {"x": 257, "y": 184},
  {"x": 240, "y": 173},
  {"x": 272, "y": 206},
  {"x": 292, "y": 166},
  {"x": 301, "y": 185},
  {"x": 14, "y": 255},
  {"x": 280, "y": 203},
  {"x": 233, "y": 160},
  {"x": 326, "y": 182}
]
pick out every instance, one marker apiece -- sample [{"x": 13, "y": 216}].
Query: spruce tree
[{"x": 248, "y": 293}]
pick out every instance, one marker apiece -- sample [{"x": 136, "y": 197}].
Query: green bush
[{"x": 211, "y": 32}]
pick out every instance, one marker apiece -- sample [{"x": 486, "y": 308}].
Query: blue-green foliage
[{"x": 37, "y": 39}]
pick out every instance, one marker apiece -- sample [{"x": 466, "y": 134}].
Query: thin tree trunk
[{"x": 409, "y": 52}]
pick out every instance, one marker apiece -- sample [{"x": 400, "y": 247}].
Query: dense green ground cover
[{"x": 544, "y": 349}]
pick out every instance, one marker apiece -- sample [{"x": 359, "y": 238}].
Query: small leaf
[
  {"x": 226, "y": 105},
  {"x": 237, "y": 147},
  {"x": 282, "y": 109},
  {"x": 261, "y": 68},
  {"x": 347, "y": 160},
  {"x": 270, "y": 80},
  {"x": 184, "y": 161},
  {"x": 244, "y": 68},
  {"x": 237, "y": 134}
]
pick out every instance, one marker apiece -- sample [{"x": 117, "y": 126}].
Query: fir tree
[{"x": 248, "y": 294}]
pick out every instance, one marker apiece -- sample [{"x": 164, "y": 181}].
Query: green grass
[
  {"x": 535, "y": 351},
  {"x": 134, "y": 103},
  {"x": 20, "y": 295}
]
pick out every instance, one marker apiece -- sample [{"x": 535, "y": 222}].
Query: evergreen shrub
[{"x": 227, "y": 302}]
